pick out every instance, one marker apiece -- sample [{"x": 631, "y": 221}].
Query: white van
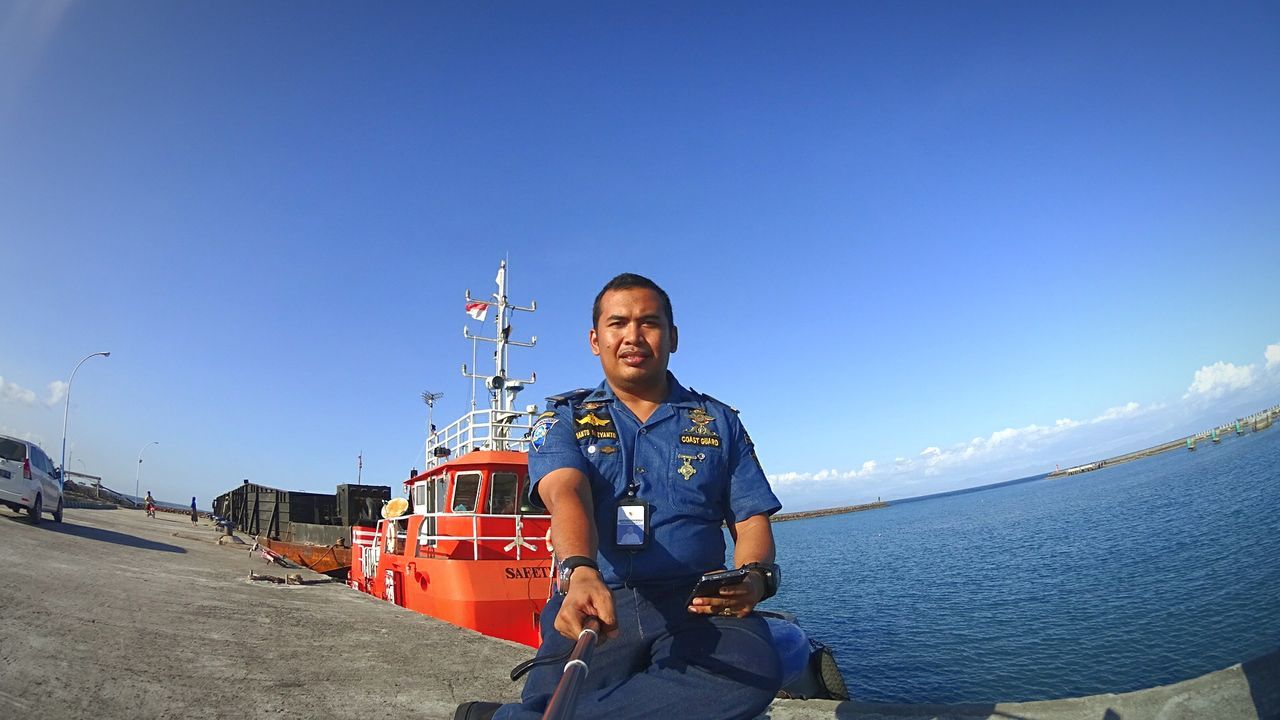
[{"x": 28, "y": 480}]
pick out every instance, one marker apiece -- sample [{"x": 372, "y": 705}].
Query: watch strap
[
  {"x": 567, "y": 566},
  {"x": 574, "y": 562},
  {"x": 770, "y": 573}
]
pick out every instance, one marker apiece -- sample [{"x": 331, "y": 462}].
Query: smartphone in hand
[{"x": 710, "y": 584}]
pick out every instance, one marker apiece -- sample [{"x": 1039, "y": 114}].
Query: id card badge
[{"x": 632, "y": 526}]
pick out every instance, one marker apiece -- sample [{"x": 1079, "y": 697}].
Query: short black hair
[{"x": 627, "y": 281}]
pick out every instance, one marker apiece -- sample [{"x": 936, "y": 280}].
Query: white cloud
[
  {"x": 792, "y": 478},
  {"x": 57, "y": 391},
  {"x": 1214, "y": 381},
  {"x": 1272, "y": 354},
  {"x": 998, "y": 447},
  {"x": 12, "y": 392},
  {"x": 1120, "y": 411}
]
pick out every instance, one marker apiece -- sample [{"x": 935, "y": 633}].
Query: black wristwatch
[
  {"x": 568, "y": 565},
  {"x": 772, "y": 575}
]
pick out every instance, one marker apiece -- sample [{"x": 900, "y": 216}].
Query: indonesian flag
[{"x": 478, "y": 310}]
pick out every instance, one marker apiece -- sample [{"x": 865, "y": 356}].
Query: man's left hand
[{"x": 734, "y": 600}]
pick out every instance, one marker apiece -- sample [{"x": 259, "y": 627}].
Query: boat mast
[{"x": 502, "y": 388}]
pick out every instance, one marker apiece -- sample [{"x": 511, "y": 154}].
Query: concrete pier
[{"x": 115, "y": 615}]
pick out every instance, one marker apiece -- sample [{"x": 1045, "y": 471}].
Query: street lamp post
[
  {"x": 66, "y": 410},
  {"x": 137, "y": 477}
]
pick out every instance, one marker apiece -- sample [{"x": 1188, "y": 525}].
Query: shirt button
[
  {"x": 639, "y": 471},
  {"x": 644, "y": 431}
]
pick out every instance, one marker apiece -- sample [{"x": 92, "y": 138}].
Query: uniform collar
[{"x": 677, "y": 394}]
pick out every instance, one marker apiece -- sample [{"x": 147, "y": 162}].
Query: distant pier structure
[{"x": 1260, "y": 420}]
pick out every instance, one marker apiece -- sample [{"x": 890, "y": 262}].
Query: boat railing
[
  {"x": 517, "y": 542},
  {"x": 487, "y": 429}
]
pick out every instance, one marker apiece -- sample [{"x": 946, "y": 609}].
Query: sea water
[{"x": 1131, "y": 576}]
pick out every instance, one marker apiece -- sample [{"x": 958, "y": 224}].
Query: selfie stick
[{"x": 565, "y": 698}]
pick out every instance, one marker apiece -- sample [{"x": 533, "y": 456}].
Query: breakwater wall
[{"x": 806, "y": 514}]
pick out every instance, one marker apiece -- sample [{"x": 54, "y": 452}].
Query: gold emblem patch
[
  {"x": 700, "y": 420},
  {"x": 591, "y": 419}
]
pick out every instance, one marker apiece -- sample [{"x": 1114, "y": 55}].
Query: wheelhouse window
[
  {"x": 466, "y": 488},
  {"x": 504, "y": 488}
]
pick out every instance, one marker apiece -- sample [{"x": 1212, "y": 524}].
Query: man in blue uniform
[{"x": 639, "y": 475}]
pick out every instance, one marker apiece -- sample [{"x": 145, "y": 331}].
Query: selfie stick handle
[{"x": 565, "y": 698}]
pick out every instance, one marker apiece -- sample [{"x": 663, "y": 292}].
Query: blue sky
[{"x": 919, "y": 245}]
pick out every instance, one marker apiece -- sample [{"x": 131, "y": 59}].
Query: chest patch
[{"x": 700, "y": 434}]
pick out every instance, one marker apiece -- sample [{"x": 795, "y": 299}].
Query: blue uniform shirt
[{"x": 692, "y": 462}]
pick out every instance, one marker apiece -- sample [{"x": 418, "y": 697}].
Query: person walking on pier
[
  {"x": 638, "y": 475},
  {"x": 195, "y": 514}
]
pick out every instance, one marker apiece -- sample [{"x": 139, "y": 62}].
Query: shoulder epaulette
[
  {"x": 705, "y": 396},
  {"x": 569, "y": 397}
]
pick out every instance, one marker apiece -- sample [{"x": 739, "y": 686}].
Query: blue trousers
[{"x": 664, "y": 663}]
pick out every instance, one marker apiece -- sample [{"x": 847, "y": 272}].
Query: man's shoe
[{"x": 476, "y": 710}]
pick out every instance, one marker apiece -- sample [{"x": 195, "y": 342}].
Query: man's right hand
[{"x": 588, "y": 596}]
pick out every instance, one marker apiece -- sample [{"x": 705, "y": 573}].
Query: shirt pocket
[
  {"x": 605, "y": 456},
  {"x": 697, "y": 481}
]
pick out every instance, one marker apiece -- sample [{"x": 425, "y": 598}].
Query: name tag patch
[{"x": 594, "y": 423}]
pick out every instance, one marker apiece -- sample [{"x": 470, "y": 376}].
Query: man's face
[{"x": 633, "y": 339}]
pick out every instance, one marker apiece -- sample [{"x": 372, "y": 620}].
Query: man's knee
[{"x": 740, "y": 652}]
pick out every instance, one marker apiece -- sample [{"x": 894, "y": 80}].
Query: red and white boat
[{"x": 464, "y": 546}]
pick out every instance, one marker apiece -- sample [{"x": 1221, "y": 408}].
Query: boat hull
[
  {"x": 332, "y": 560},
  {"x": 474, "y": 582}
]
